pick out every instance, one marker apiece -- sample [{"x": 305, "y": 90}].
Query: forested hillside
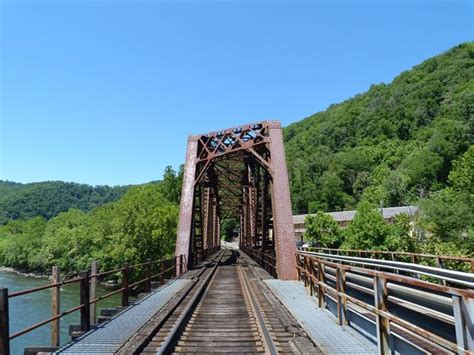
[
  {"x": 139, "y": 225},
  {"x": 407, "y": 142},
  {"x": 47, "y": 199},
  {"x": 392, "y": 145}
]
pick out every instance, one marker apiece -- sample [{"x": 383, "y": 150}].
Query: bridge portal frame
[{"x": 199, "y": 216}]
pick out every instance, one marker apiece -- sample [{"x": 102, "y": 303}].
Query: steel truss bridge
[
  {"x": 238, "y": 173},
  {"x": 264, "y": 296}
]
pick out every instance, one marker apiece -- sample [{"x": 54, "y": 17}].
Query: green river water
[{"x": 32, "y": 308}]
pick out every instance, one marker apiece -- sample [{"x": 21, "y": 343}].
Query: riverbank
[
  {"x": 29, "y": 309},
  {"x": 20, "y": 272},
  {"x": 36, "y": 275}
]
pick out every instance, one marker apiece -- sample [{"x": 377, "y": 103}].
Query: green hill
[
  {"x": 47, "y": 199},
  {"x": 390, "y": 145}
]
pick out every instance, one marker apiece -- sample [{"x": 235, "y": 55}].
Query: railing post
[
  {"x": 175, "y": 260},
  {"x": 313, "y": 276},
  {"x": 181, "y": 264},
  {"x": 414, "y": 260},
  {"x": 148, "y": 276},
  {"x": 125, "y": 285},
  {"x": 298, "y": 263},
  {"x": 55, "y": 305},
  {"x": 84, "y": 299},
  {"x": 393, "y": 259},
  {"x": 439, "y": 265},
  {"x": 463, "y": 309},
  {"x": 341, "y": 299},
  {"x": 93, "y": 291},
  {"x": 305, "y": 272},
  {"x": 311, "y": 285},
  {"x": 4, "y": 322},
  {"x": 383, "y": 324},
  {"x": 321, "y": 280}
]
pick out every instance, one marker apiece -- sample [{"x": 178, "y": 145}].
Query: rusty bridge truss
[{"x": 238, "y": 173}]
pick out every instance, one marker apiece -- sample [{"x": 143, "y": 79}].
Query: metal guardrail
[
  {"x": 420, "y": 313},
  {"x": 442, "y": 276},
  {"x": 265, "y": 260},
  {"x": 439, "y": 261},
  {"x": 87, "y": 291}
]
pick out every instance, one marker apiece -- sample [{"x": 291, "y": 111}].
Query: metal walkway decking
[
  {"x": 319, "y": 324},
  {"x": 108, "y": 337}
]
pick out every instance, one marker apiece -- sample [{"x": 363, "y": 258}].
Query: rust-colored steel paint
[{"x": 238, "y": 172}]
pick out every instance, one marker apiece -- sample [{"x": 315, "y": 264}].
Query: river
[{"x": 29, "y": 309}]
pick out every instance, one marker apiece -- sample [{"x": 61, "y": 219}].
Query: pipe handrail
[
  {"x": 452, "y": 276},
  {"x": 329, "y": 279},
  {"x": 85, "y": 279},
  {"x": 414, "y": 256}
]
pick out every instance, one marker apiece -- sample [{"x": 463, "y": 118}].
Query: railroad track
[{"x": 223, "y": 312}]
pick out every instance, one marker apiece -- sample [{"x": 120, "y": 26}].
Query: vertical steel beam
[
  {"x": 187, "y": 200},
  {"x": 265, "y": 211},
  {"x": 284, "y": 239},
  {"x": 206, "y": 217}
]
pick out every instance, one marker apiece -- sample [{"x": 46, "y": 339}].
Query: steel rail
[
  {"x": 138, "y": 348},
  {"x": 268, "y": 340},
  {"x": 173, "y": 336},
  {"x": 458, "y": 277}
]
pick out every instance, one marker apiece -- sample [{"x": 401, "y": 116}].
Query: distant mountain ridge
[{"x": 47, "y": 199}]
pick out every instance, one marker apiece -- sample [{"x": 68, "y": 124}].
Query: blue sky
[{"x": 106, "y": 92}]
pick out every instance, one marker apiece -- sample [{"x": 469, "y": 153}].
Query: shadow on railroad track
[{"x": 232, "y": 259}]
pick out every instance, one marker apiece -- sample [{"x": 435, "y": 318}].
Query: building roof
[{"x": 345, "y": 216}]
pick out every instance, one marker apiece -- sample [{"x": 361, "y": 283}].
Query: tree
[
  {"x": 448, "y": 214},
  {"x": 367, "y": 230},
  {"x": 171, "y": 184},
  {"x": 422, "y": 167},
  {"x": 462, "y": 175},
  {"x": 228, "y": 225},
  {"x": 20, "y": 242},
  {"x": 322, "y": 229},
  {"x": 147, "y": 223},
  {"x": 401, "y": 236},
  {"x": 67, "y": 242}
]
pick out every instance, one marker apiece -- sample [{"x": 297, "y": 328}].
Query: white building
[{"x": 344, "y": 217}]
